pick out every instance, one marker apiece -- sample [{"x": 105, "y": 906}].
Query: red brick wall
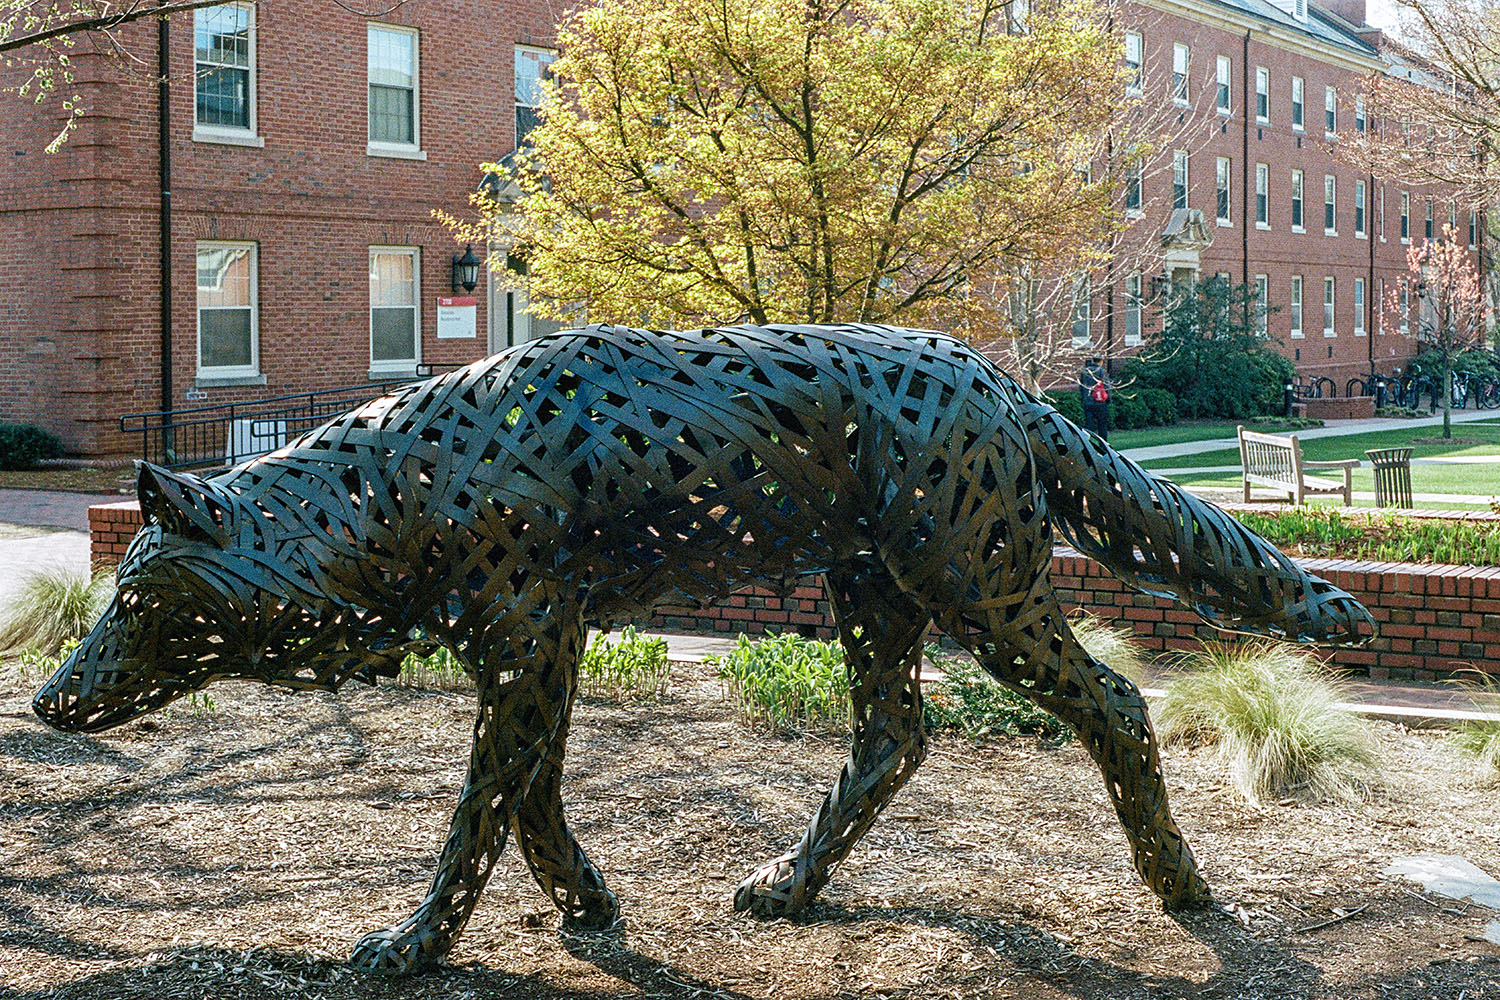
[
  {"x": 1433, "y": 620},
  {"x": 1338, "y": 408}
]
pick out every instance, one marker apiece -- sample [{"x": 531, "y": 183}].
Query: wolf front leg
[
  {"x": 519, "y": 719},
  {"x": 881, "y": 631}
]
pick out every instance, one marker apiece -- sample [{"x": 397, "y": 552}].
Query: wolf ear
[{"x": 183, "y": 504}]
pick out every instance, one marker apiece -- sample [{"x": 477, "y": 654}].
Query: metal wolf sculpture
[{"x": 588, "y": 476}]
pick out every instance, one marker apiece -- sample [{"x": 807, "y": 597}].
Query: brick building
[
  {"x": 302, "y": 153},
  {"x": 1258, "y": 195}
]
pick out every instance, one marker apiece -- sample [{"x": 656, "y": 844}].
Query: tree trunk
[{"x": 1447, "y": 397}]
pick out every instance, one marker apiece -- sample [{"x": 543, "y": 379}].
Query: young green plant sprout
[
  {"x": 635, "y": 668},
  {"x": 787, "y": 682}
]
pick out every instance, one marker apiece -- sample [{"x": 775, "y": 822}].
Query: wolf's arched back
[{"x": 595, "y": 474}]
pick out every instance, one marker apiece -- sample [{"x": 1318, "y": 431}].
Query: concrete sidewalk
[{"x": 1331, "y": 428}]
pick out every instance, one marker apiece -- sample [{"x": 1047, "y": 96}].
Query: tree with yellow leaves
[{"x": 813, "y": 160}]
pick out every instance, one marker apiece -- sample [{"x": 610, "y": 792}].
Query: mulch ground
[{"x": 239, "y": 849}]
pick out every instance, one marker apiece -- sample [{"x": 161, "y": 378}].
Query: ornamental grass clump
[
  {"x": 439, "y": 670},
  {"x": 53, "y": 608},
  {"x": 1480, "y": 738},
  {"x": 787, "y": 682},
  {"x": 635, "y": 668},
  {"x": 1113, "y": 646},
  {"x": 1270, "y": 713}
]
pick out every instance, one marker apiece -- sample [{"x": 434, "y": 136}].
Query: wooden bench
[{"x": 1275, "y": 462}]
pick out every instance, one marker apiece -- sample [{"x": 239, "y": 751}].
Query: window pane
[
  {"x": 392, "y": 58},
  {"x": 224, "y": 277},
  {"x": 221, "y": 35},
  {"x": 391, "y": 118},
  {"x": 531, "y": 70},
  {"x": 224, "y": 338},
  {"x": 223, "y": 96},
  {"x": 391, "y": 279},
  {"x": 392, "y": 334}
]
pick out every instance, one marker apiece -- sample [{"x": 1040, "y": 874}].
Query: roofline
[{"x": 1221, "y": 14}]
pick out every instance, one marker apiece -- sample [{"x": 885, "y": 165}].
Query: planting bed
[{"x": 238, "y": 853}]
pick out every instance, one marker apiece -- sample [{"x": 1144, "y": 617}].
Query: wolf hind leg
[
  {"x": 881, "y": 631},
  {"x": 1028, "y": 647},
  {"x": 527, "y": 670}
]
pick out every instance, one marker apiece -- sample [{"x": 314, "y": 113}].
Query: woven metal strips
[{"x": 591, "y": 476}]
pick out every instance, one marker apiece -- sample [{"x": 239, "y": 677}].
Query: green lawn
[
  {"x": 1480, "y": 480},
  {"x": 1150, "y": 437},
  {"x": 1328, "y": 449}
]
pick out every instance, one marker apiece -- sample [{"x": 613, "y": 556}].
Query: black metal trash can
[{"x": 1392, "y": 476}]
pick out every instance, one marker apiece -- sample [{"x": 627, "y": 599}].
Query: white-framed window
[
  {"x": 1180, "y": 62},
  {"x": 1405, "y": 216},
  {"x": 1294, "y": 306},
  {"x": 1359, "y": 209},
  {"x": 1221, "y": 191},
  {"x": 1380, "y": 306},
  {"x": 1405, "y": 307},
  {"x": 1133, "y": 310},
  {"x": 1020, "y": 15},
  {"x": 1427, "y": 220},
  {"x": 1330, "y": 202},
  {"x": 395, "y": 308},
  {"x": 1262, "y": 94},
  {"x": 1361, "y": 121},
  {"x": 1328, "y": 327},
  {"x": 1473, "y": 230},
  {"x": 1452, "y": 231},
  {"x": 224, "y": 74},
  {"x": 533, "y": 67},
  {"x": 395, "y": 103},
  {"x": 1380, "y": 210},
  {"x": 1299, "y": 91},
  {"x": 1330, "y": 111},
  {"x": 1359, "y": 307},
  {"x": 1133, "y": 187},
  {"x": 1297, "y": 226},
  {"x": 1134, "y": 52},
  {"x": 1262, "y": 303},
  {"x": 1262, "y": 196},
  {"x": 1082, "y": 312},
  {"x": 1222, "y": 73},
  {"x": 1179, "y": 178},
  {"x": 228, "y": 309}
]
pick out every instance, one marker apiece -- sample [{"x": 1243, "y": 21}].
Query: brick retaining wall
[
  {"x": 1433, "y": 619},
  {"x": 1337, "y": 408}
]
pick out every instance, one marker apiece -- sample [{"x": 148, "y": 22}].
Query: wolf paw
[
  {"x": 395, "y": 951},
  {"x": 596, "y": 910},
  {"x": 776, "y": 889}
]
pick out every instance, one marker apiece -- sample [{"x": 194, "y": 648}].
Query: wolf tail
[{"x": 1166, "y": 542}]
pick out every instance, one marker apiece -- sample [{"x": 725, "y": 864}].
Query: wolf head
[{"x": 204, "y": 592}]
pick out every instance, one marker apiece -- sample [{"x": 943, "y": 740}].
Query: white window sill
[
  {"x": 1359, "y": 333},
  {"x": 1134, "y": 91},
  {"x": 395, "y": 152},
  {"x": 1133, "y": 341},
  {"x": 1136, "y": 213},
  {"x": 1360, "y": 236},
  {"x": 1406, "y": 241},
  {"x": 387, "y": 374},
  {"x": 1299, "y": 130},
  {"x": 1182, "y": 102},
  {"x": 1298, "y": 335},
  {"x": 1299, "y": 229},
  {"x": 235, "y": 138},
  {"x": 209, "y": 380},
  {"x": 1263, "y": 225},
  {"x": 1330, "y": 333},
  {"x": 1224, "y": 223},
  {"x": 1331, "y": 136},
  {"x": 1262, "y": 121},
  {"x": 1330, "y": 232},
  {"x": 1226, "y": 112}
]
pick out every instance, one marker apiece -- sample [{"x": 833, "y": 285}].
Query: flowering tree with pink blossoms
[{"x": 1452, "y": 312}]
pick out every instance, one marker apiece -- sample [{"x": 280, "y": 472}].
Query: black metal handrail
[{"x": 228, "y": 433}]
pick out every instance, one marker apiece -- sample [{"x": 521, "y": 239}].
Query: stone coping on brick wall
[{"x": 1435, "y": 620}]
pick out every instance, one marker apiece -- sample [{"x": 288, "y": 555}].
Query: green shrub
[
  {"x": 1270, "y": 713},
  {"x": 1326, "y": 531},
  {"x": 969, "y": 701},
  {"x": 635, "y": 667},
  {"x": 1067, "y": 403},
  {"x": 786, "y": 681},
  {"x": 23, "y": 446},
  {"x": 53, "y": 607},
  {"x": 1403, "y": 412},
  {"x": 1130, "y": 406}
]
